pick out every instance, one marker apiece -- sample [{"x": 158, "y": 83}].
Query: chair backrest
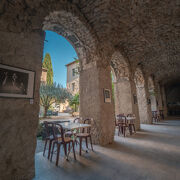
[
  {"x": 87, "y": 121},
  {"x": 76, "y": 120},
  {"x": 121, "y": 118},
  {"x": 154, "y": 114},
  {"x": 48, "y": 128},
  {"x": 58, "y": 131},
  {"x": 130, "y": 115}
]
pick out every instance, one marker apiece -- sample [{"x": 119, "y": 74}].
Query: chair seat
[
  {"x": 123, "y": 124},
  {"x": 51, "y": 137},
  {"x": 66, "y": 139},
  {"x": 82, "y": 134}
]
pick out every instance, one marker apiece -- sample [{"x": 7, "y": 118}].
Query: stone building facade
[
  {"x": 145, "y": 33},
  {"x": 73, "y": 77}
]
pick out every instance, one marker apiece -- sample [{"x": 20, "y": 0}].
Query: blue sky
[{"x": 61, "y": 52}]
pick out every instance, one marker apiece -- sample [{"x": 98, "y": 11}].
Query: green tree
[
  {"x": 47, "y": 64},
  {"x": 52, "y": 93},
  {"x": 74, "y": 102}
]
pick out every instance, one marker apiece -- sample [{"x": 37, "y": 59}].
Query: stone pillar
[
  {"x": 164, "y": 104},
  {"x": 18, "y": 117},
  {"x": 135, "y": 109},
  {"x": 144, "y": 108},
  {"x": 153, "y": 103},
  {"x": 93, "y": 80},
  {"x": 149, "y": 111},
  {"x": 123, "y": 100},
  {"x": 158, "y": 96}
]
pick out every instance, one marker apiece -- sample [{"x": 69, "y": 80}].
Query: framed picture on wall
[
  {"x": 107, "y": 96},
  {"x": 16, "y": 82}
]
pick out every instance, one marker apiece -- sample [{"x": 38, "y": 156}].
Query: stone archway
[
  {"x": 91, "y": 72},
  {"x": 23, "y": 47},
  {"x": 141, "y": 96}
]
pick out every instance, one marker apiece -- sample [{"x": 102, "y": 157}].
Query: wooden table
[
  {"x": 130, "y": 118},
  {"x": 73, "y": 126}
]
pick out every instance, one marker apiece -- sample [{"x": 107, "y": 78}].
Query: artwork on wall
[
  {"x": 16, "y": 82},
  {"x": 107, "y": 96}
]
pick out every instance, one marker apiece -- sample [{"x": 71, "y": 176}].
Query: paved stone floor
[{"x": 152, "y": 153}]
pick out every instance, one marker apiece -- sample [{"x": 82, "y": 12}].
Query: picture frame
[
  {"x": 107, "y": 96},
  {"x": 16, "y": 82}
]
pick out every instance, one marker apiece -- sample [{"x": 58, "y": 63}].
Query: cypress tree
[{"x": 47, "y": 64}]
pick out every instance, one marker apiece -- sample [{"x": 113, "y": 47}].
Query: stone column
[
  {"x": 123, "y": 100},
  {"x": 135, "y": 109},
  {"x": 158, "y": 96},
  {"x": 147, "y": 94},
  {"x": 163, "y": 94},
  {"x": 18, "y": 117},
  {"x": 93, "y": 80}
]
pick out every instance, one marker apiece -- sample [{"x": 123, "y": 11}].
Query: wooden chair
[
  {"x": 155, "y": 117},
  {"x": 49, "y": 136},
  {"x": 61, "y": 140},
  {"x": 123, "y": 125},
  {"x": 85, "y": 134},
  {"x": 117, "y": 123},
  {"x": 77, "y": 120},
  {"x": 161, "y": 114},
  {"x": 132, "y": 123}
]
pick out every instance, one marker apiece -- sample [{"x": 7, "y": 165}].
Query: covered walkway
[{"x": 152, "y": 153}]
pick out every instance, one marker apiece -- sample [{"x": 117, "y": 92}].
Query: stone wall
[{"x": 19, "y": 118}]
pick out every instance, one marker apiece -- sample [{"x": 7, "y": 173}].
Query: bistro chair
[
  {"x": 49, "y": 137},
  {"x": 155, "y": 116},
  {"x": 61, "y": 140},
  {"x": 161, "y": 114},
  {"x": 77, "y": 120},
  {"x": 85, "y": 134},
  {"x": 132, "y": 122},
  {"x": 117, "y": 123},
  {"x": 123, "y": 125}
]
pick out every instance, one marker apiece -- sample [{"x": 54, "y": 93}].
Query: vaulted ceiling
[{"x": 147, "y": 32}]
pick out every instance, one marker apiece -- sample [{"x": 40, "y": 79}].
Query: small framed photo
[
  {"x": 107, "y": 96},
  {"x": 16, "y": 82}
]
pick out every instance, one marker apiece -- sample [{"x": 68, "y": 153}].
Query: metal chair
[
  {"x": 85, "y": 134},
  {"x": 132, "y": 122},
  {"x": 122, "y": 124},
  {"x": 61, "y": 140},
  {"x": 49, "y": 137}
]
